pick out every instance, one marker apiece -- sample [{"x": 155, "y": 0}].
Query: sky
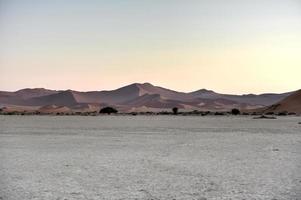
[{"x": 233, "y": 46}]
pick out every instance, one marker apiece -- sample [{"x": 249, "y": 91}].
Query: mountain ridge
[{"x": 139, "y": 95}]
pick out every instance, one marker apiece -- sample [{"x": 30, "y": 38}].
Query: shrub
[
  {"x": 235, "y": 111},
  {"x": 283, "y": 113},
  {"x": 219, "y": 113},
  {"x": 175, "y": 110},
  {"x": 108, "y": 110},
  {"x": 163, "y": 113}
]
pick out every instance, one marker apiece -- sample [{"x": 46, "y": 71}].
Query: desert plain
[{"x": 149, "y": 157}]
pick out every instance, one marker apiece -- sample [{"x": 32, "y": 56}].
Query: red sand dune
[{"x": 291, "y": 103}]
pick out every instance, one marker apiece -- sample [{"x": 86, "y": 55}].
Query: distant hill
[
  {"x": 36, "y": 92},
  {"x": 64, "y": 98},
  {"x": 21, "y": 96},
  {"x": 261, "y": 99},
  {"x": 292, "y": 104},
  {"x": 137, "y": 97}
]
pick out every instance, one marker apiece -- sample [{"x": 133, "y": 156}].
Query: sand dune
[
  {"x": 150, "y": 101},
  {"x": 137, "y": 96},
  {"x": 65, "y": 98},
  {"x": 36, "y": 92},
  {"x": 153, "y": 101},
  {"x": 261, "y": 99},
  {"x": 21, "y": 96},
  {"x": 52, "y": 109},
  {"x": 291, "y": 103}
]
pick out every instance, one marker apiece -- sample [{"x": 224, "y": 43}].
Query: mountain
[
  {"x": 64, "y": 98},
  {"x": 20, "y": 96},
  {"x": 36, "y": 92},
  {"x": 292, "y": 104},
  {"x": 261, "y": 99},
  {"x": 136, "y": 96},
  {"x": 154, "y": 101},
  {"x": 206, "y": 94},
  {"x": 157, "y": 101},
  {"x": 135, "y": 90},
  {"x": 122, "y": 94},
  {"x": 118, "y": 96}
]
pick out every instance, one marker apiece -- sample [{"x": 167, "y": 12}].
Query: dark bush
[
  {"x": 235, "y": 111},
  {"x": 283, "y": 113},
  {"x": 108, "y": 110},
  {"x": 175, "y": 110},
  {"x": 163, "y": 113},
  {"x": 219, "y": 113}
]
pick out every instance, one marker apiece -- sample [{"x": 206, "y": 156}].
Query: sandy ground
[{"x": 155, "y": 157}]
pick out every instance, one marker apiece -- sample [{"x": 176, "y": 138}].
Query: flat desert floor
[{"x": 149, "y": 157}]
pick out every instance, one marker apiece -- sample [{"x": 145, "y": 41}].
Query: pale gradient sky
[{"x": 233, "y": 46}]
